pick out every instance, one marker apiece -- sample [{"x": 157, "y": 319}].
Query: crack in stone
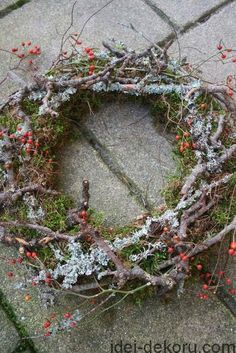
[
  {"x": 205, "y": 16},
  {"x": 114, "y": 167},
  {"x": 193, "y": 24},
  {"x": 13, "y": 7},
  {"x": 162, "y": 15},
  {"x": 189, "y": 25},
  {"x": 25, "y": 339}
]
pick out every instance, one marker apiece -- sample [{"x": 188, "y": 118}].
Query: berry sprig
[{"x": 26, "y": 50}]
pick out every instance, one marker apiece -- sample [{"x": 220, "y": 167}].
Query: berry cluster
[
  {"x": 185, "y": 141},
  {"x": 26, "y": 50},
  {"x": 232, "y": 248}
]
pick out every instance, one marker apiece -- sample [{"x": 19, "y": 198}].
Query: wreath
[{"x": 161, "y": 250}]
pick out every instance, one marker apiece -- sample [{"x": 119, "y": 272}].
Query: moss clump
[
  {"x": 165, "y": 109},
  {"x": 225, "y": 209},
  {"x": 55, "y": 209},
  {"x": 171, "y": 191}
]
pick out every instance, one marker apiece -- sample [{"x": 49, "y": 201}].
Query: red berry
[
  {"x": 228, "y": 281},
  {"x": 14, "y": 50},
  {"x": 228, "y": 50},
  {"x": 91, "y": 67},
  {"x": 221, "y": 273},
  {"x": 34, "y": 255},
  {"x": 67, "y": 315},
  {"x": 87, "y": 50},
  {"x": 223, "y": 56},
  {"x": 232, "y": 291},
  {"x": 29, "y": 133},
  {"x": 10, "y": 274},
  {"x": 29, "y": 43},
  {"x": 231, "y": 252},
  {"x": 186, "y": 145},
  {"x": 177, "y": 137},
  {"x": 73, "y": 324},
  {"x": 234, "y": 60},
  {"x": 47, "y": 324},
  {"x": 186, "y": 134},
  {"x": 199, "y": 267},
  {"x": 170, "y": 250},
  {"x": 78, "y": 42},
  {"x": 233, "y": 245},
  {"x": 21, "y": 56},
  {"x": 205, "y": 286},
  {"x": 34, "y": 284},
  {"x": 83, "y": 214},
  {"x": 28, "y": 254},
  {"x": 23, "y": 44},
  {"x": 185, "y": 258},
  {"x": 230, "y": 92},
  {"x": 219, "y": 47},
  {"x": 165, "y": 229},
  {"x": 19, "y": 260},
  {"x": 30, "y": 142},
  {"x": 47, "y": 334},
  {"x": 30, "y": 62}
]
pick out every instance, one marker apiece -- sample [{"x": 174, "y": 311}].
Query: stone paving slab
[
  {"x": 200, "y": 43},
  {"x": 44, "y": 22},
  {"x": 79, "y": 161},
  {"x": 144, "y": 154},
  {"x": 9, "y": 337},
  {"x": 6, "y": 3},
  {"x": 182, "y": 12},
  {"x": 184, "y": 320}
]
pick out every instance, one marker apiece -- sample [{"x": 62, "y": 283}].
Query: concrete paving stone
[
  {"x": 182, "y": 12},
  {"x": 44, "y": 22},
  {"x": 9, "y": 337},
  {"x": 79, "y": 161},
  {"x": 184, "y": 320},
  {"x": 6, "y": 3},
  {"x": 200, "y": 44},
  {"x": 144, "y": 154}
]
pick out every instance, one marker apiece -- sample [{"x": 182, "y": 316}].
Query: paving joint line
[
  {"x": 193, "y": 24},
  {"x": 205, "y": 16},
  {"x": 7, "y": 10},
  {"x": 108, "y": 159},
  {"x": 167, "y": 19},
  {"x": 25, "y": 340}
]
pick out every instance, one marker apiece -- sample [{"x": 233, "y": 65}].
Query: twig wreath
[{"x": 85, "y": 257}]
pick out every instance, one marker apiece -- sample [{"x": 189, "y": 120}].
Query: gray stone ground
[
  {"x": 9, "y": 337},
  {"x": 200, "y": 26}
]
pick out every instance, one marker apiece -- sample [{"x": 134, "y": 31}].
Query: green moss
[
  {"x": 225, "y": 210},
  {"x": 151, "y": 263},
  {"x": 96, "y": 218},
  {"x": 29, "y": 107},
  {"x": 165, "y": 109},
  {"x": 9, "y": 122},
  {"x": 56, "y": 208},
  {"x": 171, "y": 191}
]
